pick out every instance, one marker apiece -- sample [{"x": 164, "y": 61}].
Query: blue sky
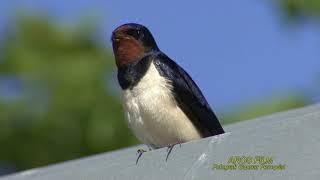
[{"x": 237, "y": 51}]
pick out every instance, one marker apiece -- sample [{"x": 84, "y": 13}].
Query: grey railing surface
[{"x": 280, "y": 146}]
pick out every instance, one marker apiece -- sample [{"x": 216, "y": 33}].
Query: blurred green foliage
[
  {"x": 67, "y": 108},
  {"x": 295, "y": 9}
]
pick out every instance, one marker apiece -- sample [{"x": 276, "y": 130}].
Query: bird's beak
[{"x": 116, "y": 37}]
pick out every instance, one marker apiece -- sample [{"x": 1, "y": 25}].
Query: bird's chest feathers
[
  {"x": 150, "y": 98},
  {"x": 153, "y": 113}
]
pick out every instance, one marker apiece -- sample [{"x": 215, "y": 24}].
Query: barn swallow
[{"x": 162, "y": 104}]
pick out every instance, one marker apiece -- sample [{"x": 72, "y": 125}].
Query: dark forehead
[{"x": 128, "y": 27}]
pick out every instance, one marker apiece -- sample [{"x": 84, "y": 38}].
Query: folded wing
[{"x": 189, "y": 97}]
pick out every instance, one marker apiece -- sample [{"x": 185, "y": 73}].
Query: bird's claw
[
  {"x": 170, "y": 147},
  {"x": 139, "y": 154}
]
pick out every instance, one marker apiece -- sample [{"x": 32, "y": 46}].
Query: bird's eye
[{"x": 135, "y": 33}]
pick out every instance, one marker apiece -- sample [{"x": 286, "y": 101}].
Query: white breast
[{"x": 153, "y": 114}]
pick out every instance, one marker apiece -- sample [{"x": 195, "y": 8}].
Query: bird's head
[{"x": 131, "y": 42}]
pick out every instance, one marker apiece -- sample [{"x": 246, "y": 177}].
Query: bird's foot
[
  {"x": 170, "y": 147},
  {"x": 139, "y": 154}
]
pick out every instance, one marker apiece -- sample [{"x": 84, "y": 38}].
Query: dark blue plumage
[{"x": 189, "y": 97}]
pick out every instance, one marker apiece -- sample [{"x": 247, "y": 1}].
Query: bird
[{"x": 162, "y": 104}]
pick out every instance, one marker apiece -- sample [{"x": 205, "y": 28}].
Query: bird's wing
[{"x": 189, "y": 97}]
